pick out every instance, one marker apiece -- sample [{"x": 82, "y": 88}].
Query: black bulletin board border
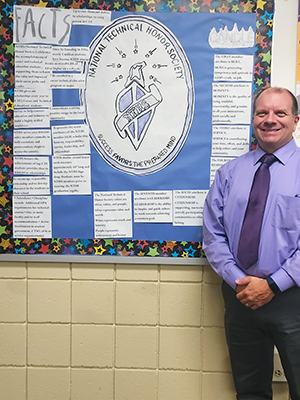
[{"x": 264, "y": 11}]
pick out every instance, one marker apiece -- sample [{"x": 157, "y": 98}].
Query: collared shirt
[{"x": 224, "y": 210}]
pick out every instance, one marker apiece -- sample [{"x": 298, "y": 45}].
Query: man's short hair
[{"x": 279, "y": 90}]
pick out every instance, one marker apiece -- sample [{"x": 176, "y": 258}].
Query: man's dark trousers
[{"x": 251, "y": 336}]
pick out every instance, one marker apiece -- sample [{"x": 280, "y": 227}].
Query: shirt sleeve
[
  {"x": 289, "y": 274},
  {"x": 215, "y": 241},
  {"x": 282, "y": 278}
]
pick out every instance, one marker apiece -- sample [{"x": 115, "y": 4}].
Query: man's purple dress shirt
[{"x": 224, "y": 209}]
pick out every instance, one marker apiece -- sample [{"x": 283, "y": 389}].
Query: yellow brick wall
[{"x": 113, "y": 332}]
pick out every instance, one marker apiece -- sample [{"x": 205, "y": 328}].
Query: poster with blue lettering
[{"x": 120, "y": 122}]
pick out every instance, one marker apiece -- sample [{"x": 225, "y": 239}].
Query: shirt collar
[{"x": 283, "y": 154}]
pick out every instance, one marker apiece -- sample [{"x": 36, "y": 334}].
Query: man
[{"x": 262, "y": 298}]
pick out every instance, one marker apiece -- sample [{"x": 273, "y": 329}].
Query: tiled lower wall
[{"x": 113, "y": 332}]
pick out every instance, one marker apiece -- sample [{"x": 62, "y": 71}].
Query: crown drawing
[{"x": 233, "y": 39}]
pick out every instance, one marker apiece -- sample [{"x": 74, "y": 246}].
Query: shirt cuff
[
  {"x": 232, "y": 274},
  {"x": 282, "y": 280}
]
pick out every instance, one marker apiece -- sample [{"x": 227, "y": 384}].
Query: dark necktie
[{"x": 250, "y": 232}]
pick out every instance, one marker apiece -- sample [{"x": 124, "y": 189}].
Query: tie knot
[{"x": 268, "y": 159}]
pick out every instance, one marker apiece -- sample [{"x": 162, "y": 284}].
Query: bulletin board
[{"x": 178, "y": 170}]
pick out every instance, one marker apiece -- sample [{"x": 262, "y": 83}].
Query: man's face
[{"x": 273, "y": 122}]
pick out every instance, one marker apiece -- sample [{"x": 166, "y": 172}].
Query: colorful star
[
  {"x": 5, "y": 243},
  {"x": 42, "y": 3},
  {"x": 8, "y": 161},
  {"x": 99, "y": 250},
  {"x": 264, "y": 45},
  {"x": 78, "y": 246},
  {"x": 152, "y": 252},
  {"x": 3, "y": 60},
  {"x": 2, "y": 230},
  {"x": 260, "y": 4},
  {"x": 3, "y": 201},
  {"x": 248, "y": 7},
  {"x": 142, "y": 244},
  {"x": 75, "y": 5},
  {"x": 267, "y": 17},
  {"x": 259, "y": 38},
  {"x": 9, "y": 105},
  {"x": 10, "y": 49},
  {"x": 44, "y": 248},
  {"x": 190, "y": 251},
  {"x": 267, "y": 57},
  {"x": 8, "y": 218},
  {"x": 171, "y": 245},
  {"x": 28, "y": 241},
  {"x": 124, "y": 252}
]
